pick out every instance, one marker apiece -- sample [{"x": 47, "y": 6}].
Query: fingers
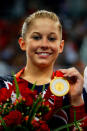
[{"x": 72, "y": 74}]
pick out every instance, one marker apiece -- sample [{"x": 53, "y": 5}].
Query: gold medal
[{"x": 59, "y": 86}]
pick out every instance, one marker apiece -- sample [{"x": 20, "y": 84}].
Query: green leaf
[
  {"x": 33, "y": 87},
  {"x": 67, "y": 128},
  {"x": 74, "y": 116},
  {"x": 36, "y": 105},
  {"x": 43, "y": 88},
  {"x": 16, "y": 85},
  {"x": 35, "y": 108},
  {"x": 2, "y": 122},
  {"x": 75, "y": 122},
  {"x": 64, "y": 126}
]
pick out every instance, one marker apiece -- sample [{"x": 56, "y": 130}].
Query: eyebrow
[
  {"x": 52, "y": 33},
  {"x": 35, "y": 33},
  {"x": 40, "y": 33}
]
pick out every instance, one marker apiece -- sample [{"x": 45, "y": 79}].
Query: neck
[{"x": 36, "y": 74}]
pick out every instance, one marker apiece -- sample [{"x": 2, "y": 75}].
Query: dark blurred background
[{"x": 73, "y": 16}]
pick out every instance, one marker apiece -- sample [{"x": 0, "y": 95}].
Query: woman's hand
[{"x": 76, "y": 85}]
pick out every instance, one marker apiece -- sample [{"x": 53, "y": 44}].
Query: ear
[
  {"x": 22, "y": 43},
  {"x": 61, "y": 46}
]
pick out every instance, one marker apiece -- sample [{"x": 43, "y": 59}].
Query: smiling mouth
[{"x": 43, "y": 53}]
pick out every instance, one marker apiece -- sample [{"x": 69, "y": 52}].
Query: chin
[{"x": 43, "y": 65}]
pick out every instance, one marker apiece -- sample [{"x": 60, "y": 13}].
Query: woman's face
[{"x": 42, "y": 42}]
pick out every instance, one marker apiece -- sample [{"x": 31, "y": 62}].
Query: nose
[{"x": 44, "y": 43}]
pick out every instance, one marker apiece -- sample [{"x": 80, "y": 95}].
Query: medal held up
[{"x": 59, "y": 86}]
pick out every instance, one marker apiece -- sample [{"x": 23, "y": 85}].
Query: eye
[
  {"x": 51, "y": 38},
  {"x": 36, "y": 37}
]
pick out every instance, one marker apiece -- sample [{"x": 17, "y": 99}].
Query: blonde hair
[{"x": 40, "y": 14}]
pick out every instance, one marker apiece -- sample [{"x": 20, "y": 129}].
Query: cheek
[
  {"x": 55, "y": 48},
  {"x": 33, "y": 45},
  {"x": 30, "y": 47},
  {"x": 31, "y": 50}
]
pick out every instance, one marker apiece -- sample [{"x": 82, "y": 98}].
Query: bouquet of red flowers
[{"x": 23, "y": 112}]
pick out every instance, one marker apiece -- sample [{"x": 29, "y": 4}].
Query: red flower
[
  {"x": 5, "y": 94},
  {"x": 40, "y": 125},
  {"x": 26, "y": 118},
  {"x": 26, "y": 92},
  {"x": 43, "y": 126},
  {"x": 13, "y": 118},
  {"x": 28, "y": 101},
  {"x": 29, "y": 95},
  {"x": 35, "y": 124},
  {"x": 46, "y": 103},
  {"x": 48, "y": 115}
]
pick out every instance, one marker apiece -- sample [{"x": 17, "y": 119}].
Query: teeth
[{"x": 44, "y": 54}]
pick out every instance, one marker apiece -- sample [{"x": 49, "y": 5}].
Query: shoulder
[
  {"x": 5, "y": 89},
  {"x": 5, "y": 82}
]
